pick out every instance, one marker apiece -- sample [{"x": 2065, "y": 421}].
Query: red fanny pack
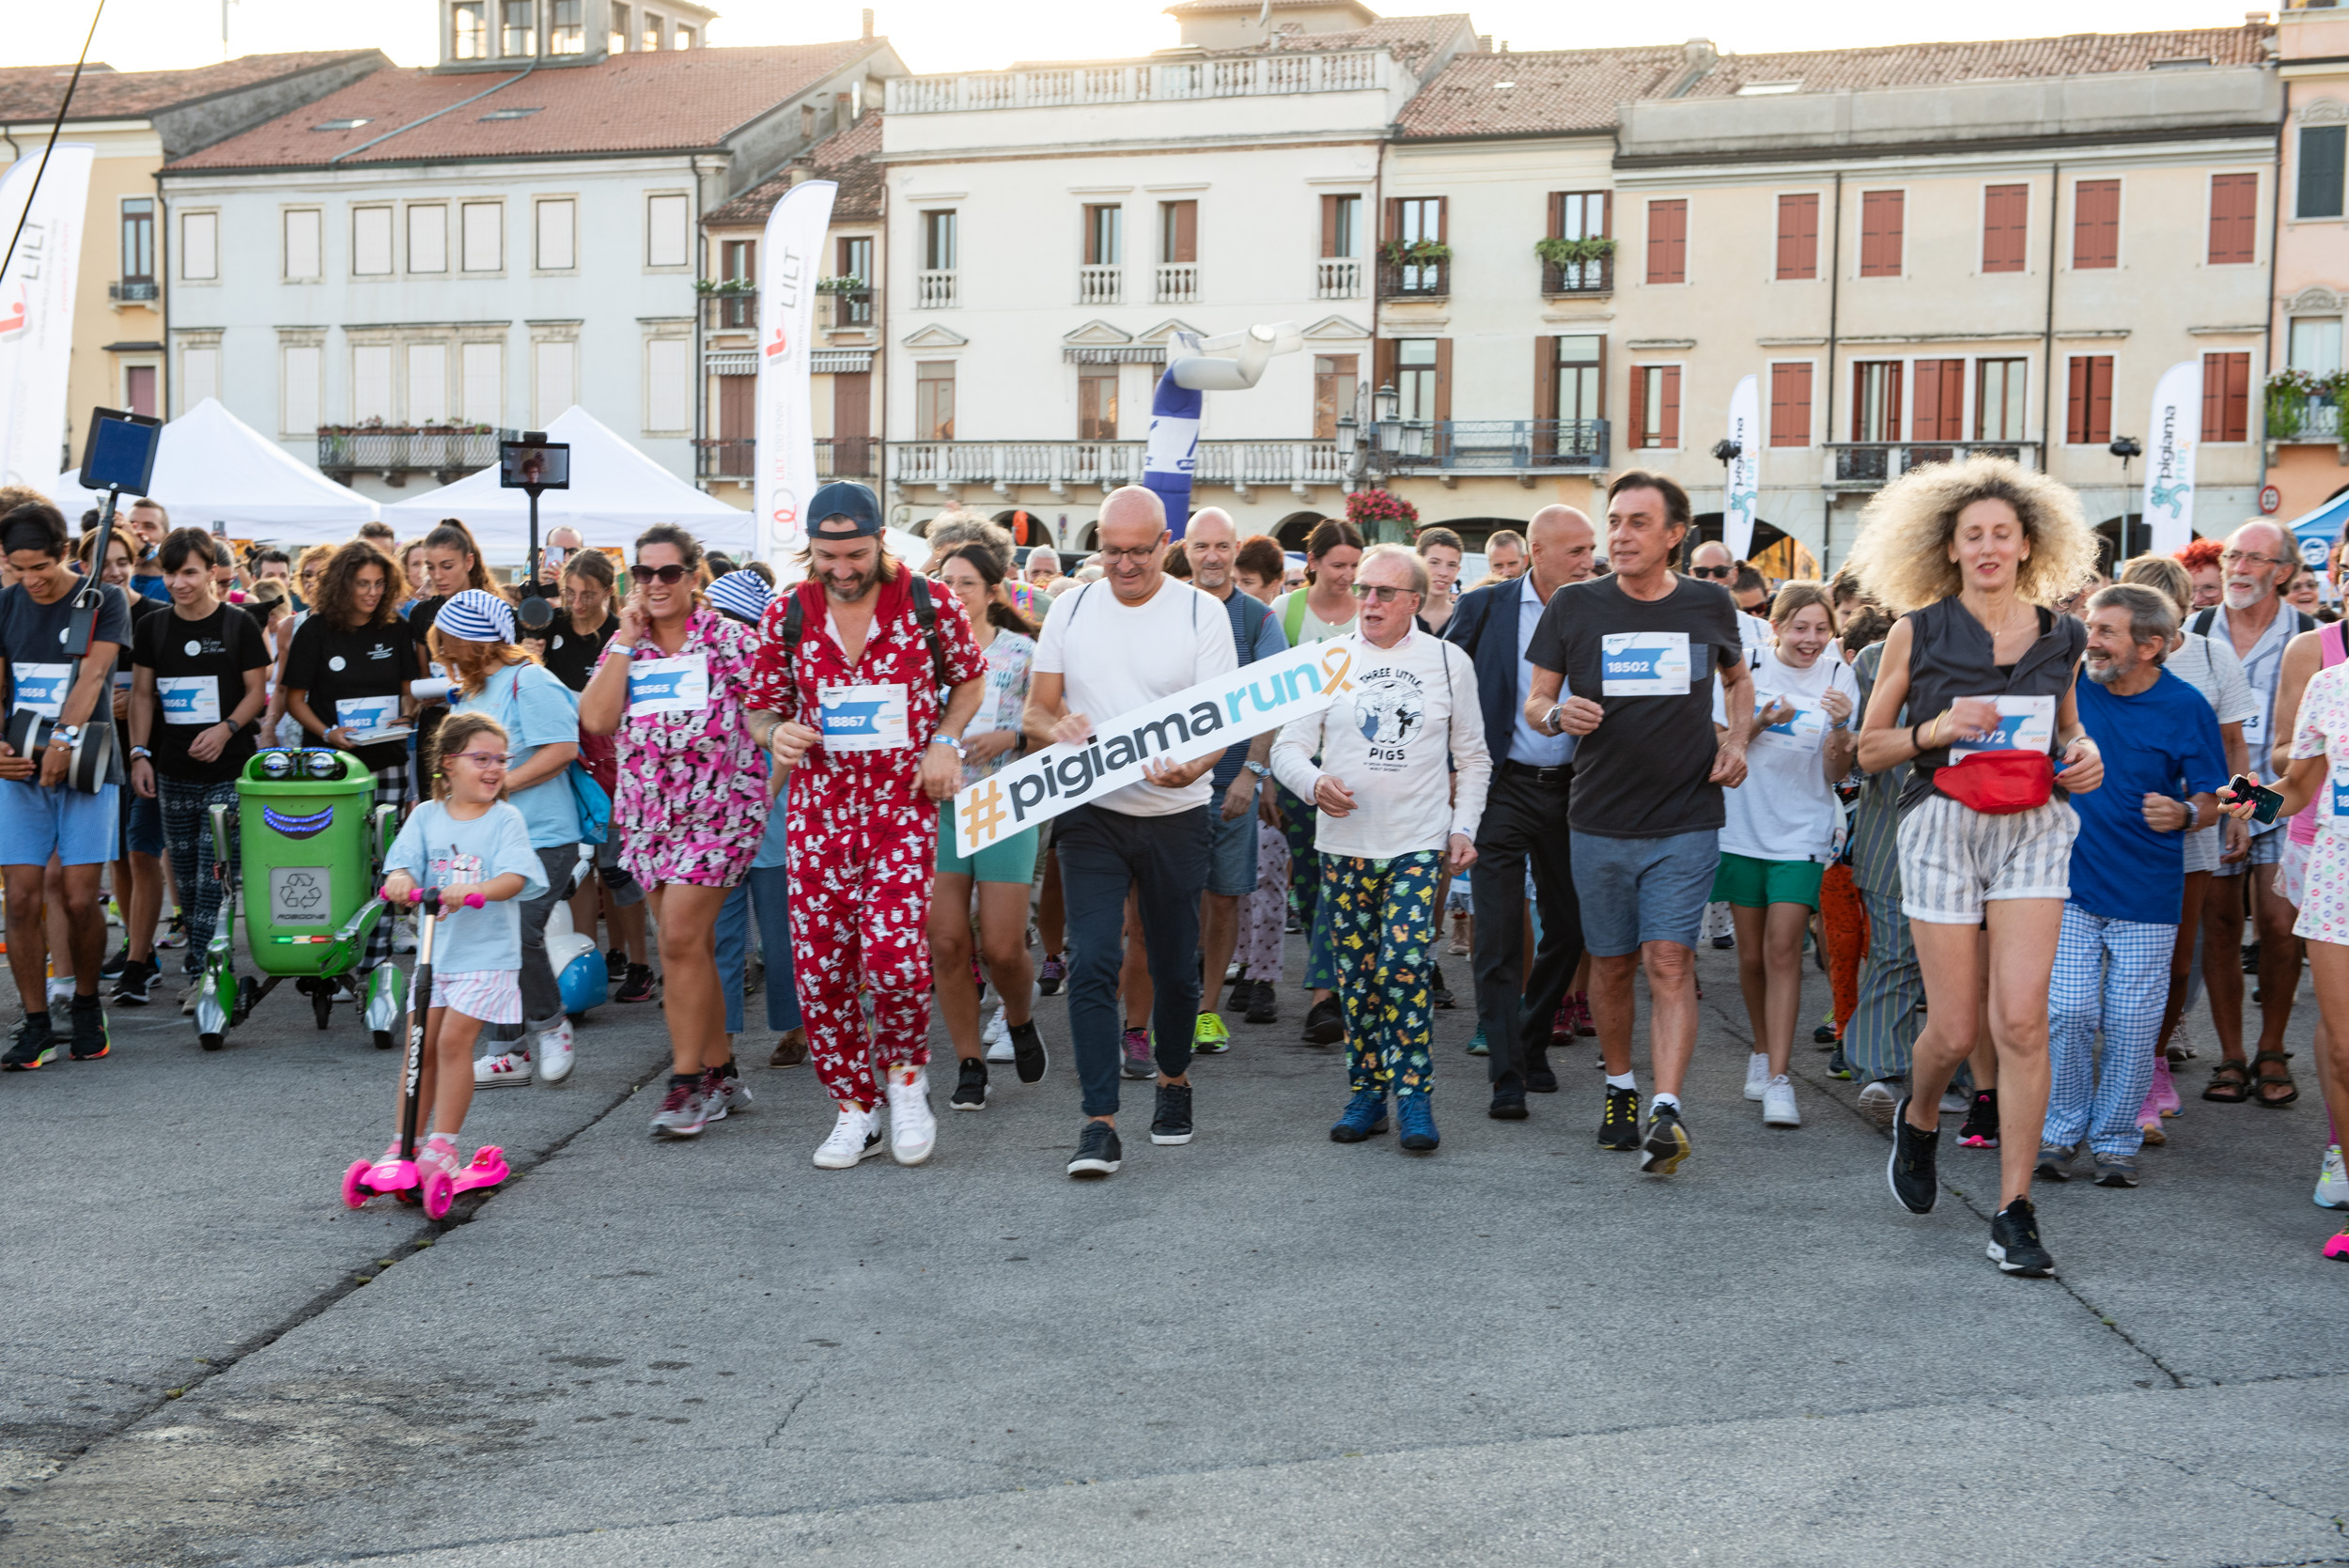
[{"x": 1998, "y": 783}]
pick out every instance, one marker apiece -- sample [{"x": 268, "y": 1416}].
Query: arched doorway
[
  {"x": 1295, "y": 528},
  {"x": 1024, "y": 526},
  {"x": 1474, "y": 531}
]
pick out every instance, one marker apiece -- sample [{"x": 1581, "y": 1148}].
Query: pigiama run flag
[
  {"x": 1192, "y": 722},
  {"x": 37, "y": 307}
]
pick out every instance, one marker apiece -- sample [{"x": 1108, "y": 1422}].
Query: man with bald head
[
  {"x": 1108, "y": 648},
  {"x": 1524, "y": 823}
]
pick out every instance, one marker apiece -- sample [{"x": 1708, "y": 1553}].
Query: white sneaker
[
  {"x": 912, "y": 1126},
  {"x": 1777, "y": 1103},
  {"x": 1878, "y": 1100},
  {"x": 855, "y": 1135},
  {"x": 403, "y": 936},
  {"x": 1757, "y": 1074},
  {"x": 998, "y": 1038},
  {"x": 60, "y": 993},
  {"x": 555, "y": 1055},
  {"x": 502, "y": 1070},
  {"x": 726, "y": 1096},
  {"x": 2332, "y": 1181}
]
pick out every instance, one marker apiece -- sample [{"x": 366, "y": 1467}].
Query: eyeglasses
[
  {"x": 489, "y": 762},
  {"x": 668, "y": 576},
  {"x": 1724, "y": 573},
  {"x": 1379, "y": 591},
  {"x": 1144, "y": 554},
  {"x": 2245, "y": 558}
]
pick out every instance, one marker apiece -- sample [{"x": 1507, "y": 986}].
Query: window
[
  {"x": 199, "y": 246},
  {"x": 427, "y": 384},
  {"x": 653, "y": 30},
  {"x": 1883, "y": 222},
  {"x": 1097, "y": 402},
  {"x": 2235, "y": 204},
  {"x": 1411, "y": 221},
  {"x": 2005, "y": 228},
  {"x": 519, "y": 35},
  {"x": 1875, "y": 399},
  {"x": 484, "y": 367},
  {"x": 2225, "y": 396},
  {"x": 1999, "y": 399},
  {"x": 934, "y": 399},
  {"x": 1336, "y": 378},
  {"x": 1105, "y": 229},
  {"x": 138, "y": 240},
  {"x": 299, "y": 404},
  {"x": 1798, "y": 242},
  {"x": 1580, "y": 215},
  {"x": 371, "y": 242},
  {"x": 738, "y": 259},
  {"x": 1576, "y": 372},
  {"x": 566, "y": 31},
  {"x": 427, "y": 238},
  {"x": 937, "y": 241},
  {"x": 667, "y": 241},
  {"x": 371, "y": 383},
  {"x": 1790, "y": 402},
  {"x": 1418, "y": 218},
  {"x": 1178, "y": 231},
  {"x": 138, "y": 389},
  {"x": 2314, "y": 345},
  {"x": 1655, "y": 403},
  {"x": 302, "y": 244},
  {"x": 1940, "y": 414},
  {"x": 469, "y": 35},
  {"x": 558, "y": 248},
  {"x": 1668, "y": 241},
  {"x": 668, "y": 385},
  {"x": 2087, "y": 401},
  {"x": 2096, "y": 224},
  {"x": 854, "y": 259},
  {"x": 1417, "y": 379},
  {"x": 2317, "y": 191},
  {"x": 199, "y": 376},
  {"x": 807, "y": 122},
  {"x": 615, "y": 39},
  {"x": 684, "y": 36},
  {"x": 557, "y": 362},
  {"x": 484, "y": 236},
  {"x": 1340, "y": 227}
]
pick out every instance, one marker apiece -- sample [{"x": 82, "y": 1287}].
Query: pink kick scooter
[{"x": 400, "y": 1178}]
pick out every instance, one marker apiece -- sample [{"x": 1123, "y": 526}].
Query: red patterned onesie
[{"x": 861, "y": 836}]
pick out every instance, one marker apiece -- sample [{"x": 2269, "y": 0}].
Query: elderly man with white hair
[{"x": 1042, "y": 569}]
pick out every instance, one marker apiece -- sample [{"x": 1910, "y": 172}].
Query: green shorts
[
  {"x": 1009, "y": 860},
  {"x": 1751, "y": 884}
]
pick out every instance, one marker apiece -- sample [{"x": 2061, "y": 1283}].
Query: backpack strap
[
  {"x": 926, "y": 614},
  {"x": 2204, "y": 620},
  {"x": 1293, "y": 616}
]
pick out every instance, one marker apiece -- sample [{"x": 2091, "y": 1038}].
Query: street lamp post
[{"x": 2125, "y": 448}]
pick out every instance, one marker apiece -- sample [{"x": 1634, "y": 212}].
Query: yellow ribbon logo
[{"x": 1333, "y": 674}]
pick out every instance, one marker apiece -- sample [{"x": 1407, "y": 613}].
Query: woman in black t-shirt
[{"x": 138, "y": 865}]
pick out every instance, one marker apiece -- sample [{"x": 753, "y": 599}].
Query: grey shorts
[
  {"x": 1231, "y": 852},
  {"x": 1642, "y": 890},
  {"x": 1955, "y": 860},
  {"x": 2267, "y": 848}
]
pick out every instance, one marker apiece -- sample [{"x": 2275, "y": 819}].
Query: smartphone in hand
[{"x": 2265, "y": 802}]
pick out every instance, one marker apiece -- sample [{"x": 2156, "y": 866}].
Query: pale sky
[{"x": 959, "y": 34}]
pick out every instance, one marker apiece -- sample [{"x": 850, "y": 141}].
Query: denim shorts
[
  {"x": 142, "y": 823},
  {"x": 35, "y": 823},
  {"x": 1642, "y": 890},
  {"x": 1231, "y": 852}
]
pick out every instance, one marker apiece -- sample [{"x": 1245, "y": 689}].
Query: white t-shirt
[
  {"x": 1310, "y": 627},
  {"x": 1113, "y": 658},
  {"x": 1785, "y": 811}
]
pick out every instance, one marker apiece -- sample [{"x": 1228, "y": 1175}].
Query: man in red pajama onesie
[{"x": 846, "y": 693}]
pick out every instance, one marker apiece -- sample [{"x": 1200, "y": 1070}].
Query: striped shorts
[
  {"x": 491, "y": 996},
  {"x": 1955, "y": 860}
]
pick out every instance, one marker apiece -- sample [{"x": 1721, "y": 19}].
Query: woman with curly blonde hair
[{"x": 1971, "y": 556}]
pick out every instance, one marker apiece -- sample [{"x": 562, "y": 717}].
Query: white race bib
[
  {"x": 2341, "y": 793},
  {"x": 191, "y": 699},
  {"x": 680, "y": 685},
  {"x": 1643, "y": 664},
  {"x": 1802, "y": 732},
  {"x": 361, "y": 717},
  {"x": 864, "y": 718},
  {"x": 2025, "y": 724},
  {"x": 41, "y": 688}
]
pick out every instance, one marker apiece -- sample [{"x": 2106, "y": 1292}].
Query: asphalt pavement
[{"x": 1262, "y": 1347}]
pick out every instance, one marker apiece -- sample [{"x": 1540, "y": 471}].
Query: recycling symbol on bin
[{"x": 300, "y": 893}]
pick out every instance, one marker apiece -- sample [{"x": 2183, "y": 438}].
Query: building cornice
[{"x": 2250, "y": 136}]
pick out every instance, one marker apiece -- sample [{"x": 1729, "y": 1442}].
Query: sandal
[
  {"x": 2263, "y": 1082},
  {"x": 2229, "y": 1082}
]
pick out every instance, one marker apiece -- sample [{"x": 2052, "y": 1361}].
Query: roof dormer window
[
  {"x": 518, "y": 35},
  {"x": 567, "y": 28},
  {"x": 468, "y": 30}
]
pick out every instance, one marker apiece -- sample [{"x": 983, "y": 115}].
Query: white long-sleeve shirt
[{"x": 1409, "y": 710}]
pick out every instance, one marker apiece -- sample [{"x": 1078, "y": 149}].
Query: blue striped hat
[
  {"x": 742, "y": 594},
  {"x": 477, "y": 615}
]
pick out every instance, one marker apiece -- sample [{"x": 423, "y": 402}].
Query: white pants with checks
[{"x": 2111, "y": 975}]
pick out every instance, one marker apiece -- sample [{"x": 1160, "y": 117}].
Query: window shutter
[
  {"x": 1557, "y": 214},
  {"x": 2096, "y": 224},
  {"x": 2076, "y": 402},
  {"x": 1790, "y": 405},
  {"x": 1443, "y": 380},
  {"x": 2005, "y": 228},
  {"x": 1381, "y": 365},
  {"x": 1637, "y": 412},
  {"x": 1186, "y": 231},
  {"x": 2233, "y": 219},
  {"x": 2225, "y": 396},
  {"x": 1798, "y": 235},
  {"x": 1546, "y": 357},
  {"x": 2100, "y": 398},
  {"x": 1443, "y": 219},
  {"x": 2320, "y": 183},
  {"x": 1668, "y": 241},
  {"x": 1881, "y": 225},
  {"x": 1667, "y": 427},
  {"x": 1392, "y": 218},
  {"x": 1328, "y": 226},
  {"x": 1940, "y": 400}
]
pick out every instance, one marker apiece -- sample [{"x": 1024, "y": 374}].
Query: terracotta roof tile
[
  {"x": 1409, "y": 38},
  {"x": 660, "y": 102},
  {"x": 31, "y": 92},
  {"x": 1549, "y": 92},
  {"x": 846, "y": 157},
  {"x": 1911, "y": 64}
]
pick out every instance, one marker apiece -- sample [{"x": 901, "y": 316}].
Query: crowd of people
[{"x": 1898, "y": 773}]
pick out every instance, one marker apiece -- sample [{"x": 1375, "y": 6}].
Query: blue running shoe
[
  {"x": 1417, "y": 1115},
  {"x": 1365, "y": 1115}
]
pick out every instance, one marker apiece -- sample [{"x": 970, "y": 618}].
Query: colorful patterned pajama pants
[
  {"x": 2111, "y": 975},
  {"x": 1264, "y": 915},
  {"x": 1381, "y": 920},
  {"x": 859, "y": 928}
]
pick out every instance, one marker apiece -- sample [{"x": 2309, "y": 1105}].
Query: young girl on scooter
[{"x": 467, "y": 839}]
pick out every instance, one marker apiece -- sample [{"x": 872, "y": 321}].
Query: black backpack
[{"x": 924, "y": 613}]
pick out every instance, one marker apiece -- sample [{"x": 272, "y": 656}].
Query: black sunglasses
[
  {"x": 1723, "y": 572},
  {"x": 669, "y": 575}
]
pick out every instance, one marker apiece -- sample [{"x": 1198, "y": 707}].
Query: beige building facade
[{"x": 2307, "y": 445}]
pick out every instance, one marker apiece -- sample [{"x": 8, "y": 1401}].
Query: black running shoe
[
  {"x": 1508, "y": 1098},
  {"x": 1438, "y": 992},
  {"x": 1667, "y": 1141},
  {"x": 2014, "y": 1245},
  {"x": 90, "y": 1040},
  {"x": 971, "y": 1094},
  {"x": 1264, "y": 1005},
  {"x": 1620, "y": 1127},
  {"x": 616, "y": 965},
  {"x": 1099, "y": 1152},
  {"x": 1539, "y": 1080},
  {"x": 130, "y": 986},
  {"x": 117, "y": 964},
  {"x": 1910, "y": 1171},
  {"x": 1980, "y": 1130},
  {"x": 1325, "y": 1022},
  {"x": 638, "y": 986},
  {"x": 1028, "y": 1059},
  {"x": 1050, "y": 976},
  {"x": 1172, "y": 1123},
  {"x": 31, "y": 1045}
]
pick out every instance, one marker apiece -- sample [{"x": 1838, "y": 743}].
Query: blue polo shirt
[{"x": 2162, "y": 741}]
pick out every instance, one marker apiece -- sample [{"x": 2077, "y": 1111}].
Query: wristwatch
[
  {"x": 66, "y": 735},
  {"x": 1549, "y": 724},
  {"x": 1258, "y": 769}
]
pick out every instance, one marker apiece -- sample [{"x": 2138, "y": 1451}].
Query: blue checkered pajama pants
[{"x": 2111, "y": 975}]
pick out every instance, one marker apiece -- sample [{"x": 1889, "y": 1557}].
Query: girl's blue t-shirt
[
  {"x": 536, "y": 709},
  {"x": 437, "y": 850}
]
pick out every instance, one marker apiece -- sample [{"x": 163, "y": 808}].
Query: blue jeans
[
  {"x": 768, "y": 889},
  {"x": 1163, "y": 860}
]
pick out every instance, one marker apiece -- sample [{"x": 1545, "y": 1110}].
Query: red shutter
[
  {"x": 1443, "y": 219},
  {"x": 1637, "y": 421},
  {"x": 2235, "y": 200},
  {"x": 1328, "y": 226},
  {"x": 1790, "y": 404},
  {"x": 1381, "y": 366},
  {"x": 1940, "y": 400},
  {"x": 2005, "y": 228},
  {"x": 2076, "y": 402},
  {"x": 1798, "y": 235},
  {"x": 1545, "y": 358},
  {"x": 1667, "y": 427},
  {"x": 1668, "y": 241},
  {"x": 1881, "y": 224},
  {"x": 2096, "y": 224},
  {"x": 1182, "y": 230},
  {"x": 1443, "y": 380},
  {"x": 2088, "y": 403},
  {"x": 1557, "y": 214},
  {"x": 2225, "y": 396}
]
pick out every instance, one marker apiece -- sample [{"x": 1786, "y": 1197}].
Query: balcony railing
[
  {"x": 1518, "y": 444},
  {"x": 730, "y": 312},
  {"x": 1877, "y": 462},
  {"x": 1580, "y": 278},
  {"x": 1060, "y": 464},
  {"x": 407, "y": 451},
  {"x": 1414, "y": 280},
  {"x": 132, "y": 291},
  {"x": 1178, "y": 283},
  {"x": 1337, "y": 277},
  {"x": 837, "y": 458},
  {"x": 853, "y": 308},
  {"x": 2309, "y": 420},
  {"x": 934, "y": 290},
  {"x": 1101, "y": 285},
  {"x": 1064, "y": 86}
]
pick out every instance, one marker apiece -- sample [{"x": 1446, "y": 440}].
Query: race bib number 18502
[{"x": 1643, "y": 664}]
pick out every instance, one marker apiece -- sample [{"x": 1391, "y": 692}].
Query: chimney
[{"x": 868, "y": 23}]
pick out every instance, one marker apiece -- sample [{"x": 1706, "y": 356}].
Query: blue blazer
[{"x": 1485, "y": 624}]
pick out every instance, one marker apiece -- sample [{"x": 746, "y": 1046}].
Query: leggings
[
  {"x": 187, "y": 835},
  {"x": 1845, "y": 920}
]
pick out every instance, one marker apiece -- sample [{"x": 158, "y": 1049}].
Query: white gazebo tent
[
  {"x": 616, "y": 493},
  {"x": 216, "y": 472}
]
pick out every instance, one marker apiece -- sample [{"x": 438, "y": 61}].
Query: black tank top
[{"x": 1951, "y": 655}]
